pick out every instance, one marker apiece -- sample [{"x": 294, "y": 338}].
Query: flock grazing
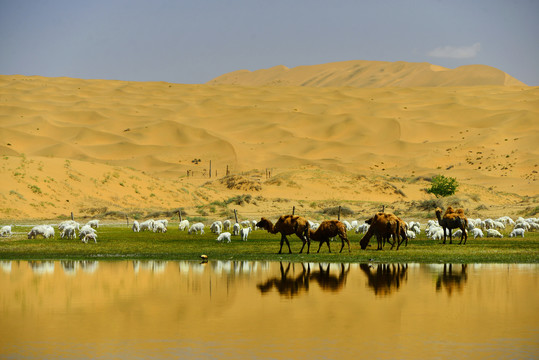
[{"x": 386, "y": 227}]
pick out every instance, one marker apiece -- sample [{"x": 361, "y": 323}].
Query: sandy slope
[
  {"x": 361, "y": 73},
  {"x": 90, "y": 145}
]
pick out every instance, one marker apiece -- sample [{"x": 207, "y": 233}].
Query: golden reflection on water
[{"x": 157, "y": 309}]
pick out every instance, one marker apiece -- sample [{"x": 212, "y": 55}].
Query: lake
[{"x": 234, "y": 310}]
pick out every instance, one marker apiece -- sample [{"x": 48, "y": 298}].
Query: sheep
[
  {"x": 93, "y": 223},
  {"x": 476, "y": 232},
  {"x": 63, "y": 224},
  {"x": 159, "y": 227},
  {"x": 245, "y": 233},
  {"x": 517, "y": 232},
  {"x": 85, "y": 230},
  {"x": 162, "y": 221},
  {"x": 236, "y": 230},
  {"x": 363, "y": 228},
  {"x": 494, "y": 233},
  {"x": 90, "y": 236},
  {"x": 411, "y": 234},
  {"x": 184, "y": 225},
  {"x": 147, "y": 225},
  {"x": 347, "y": 225},
  {"x": 136, "y": 226},
  {"x": 196, "y": 228},
  {"x": 69, "y": 232},
  {"x": 46, "y": 231},
  {"x": 227, "y": 224},
  {"x": 215, "y": 227},
  {"x": 223, "y": 236},
  {"x": 5, "y": 231},
  {"x": 246, "y": 223}
]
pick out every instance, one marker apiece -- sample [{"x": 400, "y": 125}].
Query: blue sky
[{"x": 195, "y": 41}]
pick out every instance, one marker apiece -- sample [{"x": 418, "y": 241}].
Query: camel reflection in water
[
  {"x": 385, "y": 278},
  {"x": 452, "y": 280},
  {"x": 289, "y": 285}
]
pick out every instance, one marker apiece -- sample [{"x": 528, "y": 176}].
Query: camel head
[
  {"x": 438, "y": 211},
  {"x": 264, "y": 224}
]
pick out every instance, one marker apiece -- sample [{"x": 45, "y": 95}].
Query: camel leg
[
  {"x": 342, "y": 241},
  {"x": 444, "y": 235},
  {"x": 328, "y": 245},
  {"x": 288, "y": 244},
  {"x": 303, "y": 247},
  {"x": 319, "y": 247}
]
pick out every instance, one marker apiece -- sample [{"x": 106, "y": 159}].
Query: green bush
[{"x": 443, "y": 186}]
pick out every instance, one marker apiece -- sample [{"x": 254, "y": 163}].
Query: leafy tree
[{"x": 443, "y": 186}]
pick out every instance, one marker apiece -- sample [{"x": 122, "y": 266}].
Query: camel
[
  {"x": 453, "y": 220},
  {"x": 384, "y": 226},
  {"x": 327, "y": 230},
  {"x": 288, "y": 225}
]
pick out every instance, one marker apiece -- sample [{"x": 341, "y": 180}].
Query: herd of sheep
[{"x": 226, "y": 229}]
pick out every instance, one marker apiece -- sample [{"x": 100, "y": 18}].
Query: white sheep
[
  {"x": 196, "y": 228},
  {"x": 162, "y": 221},
  {"x": 85, "y": 230},
  {"x": 494, "y": 233},
  {"x": 65, "y": 223},
  {"x": 223, "y": 236},
  {"x": 5, "y": 231},
  {"x": 69, "y": 232},
  {"x": 517, "y": 232},
  {"x": 476, "y": 232},
  {"x": 215, "y": 227},
  {"x": 245, "y": 233},
  {"x": 90, "y": 236},
  {"x": 184, "y": 225},
  {"x": 159, "y": 227},
  {"x": 46, "y": 231},
  {"x": 236, "y": 230},
  {"x": 227, "y": 224},
  {"x": 93, "y": 223},
  {"x": 147, "y": 225},
  {"x": 246, "y": 223},
  {"x": 363, "y": 228},
  {"x": 136, "y": 226},
  {"x": 347, "y": 225}
]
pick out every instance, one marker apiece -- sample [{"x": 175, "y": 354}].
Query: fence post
[
  {"x": 339, "y": 216},
  {"x": 127, "y": 220},
  {"x": 180, "y": 213},
  {"x": 236, "y": 215},
  {"x": 210, "y": 169},
  {"x": 72, "y": 218},
  {"x": 293, "y": 209}
]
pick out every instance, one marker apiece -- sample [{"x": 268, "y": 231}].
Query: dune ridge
[
  {"x": 71, "y": 144},
  {"x": 372, "y": 74}
]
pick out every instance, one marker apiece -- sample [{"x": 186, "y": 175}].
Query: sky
[{"x": 192, "y": 42}]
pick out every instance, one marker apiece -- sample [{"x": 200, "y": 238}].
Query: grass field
[{"x": 119, "y": 242}]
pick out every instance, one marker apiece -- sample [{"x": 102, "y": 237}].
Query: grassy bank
[{"x": 119, "y": 242}]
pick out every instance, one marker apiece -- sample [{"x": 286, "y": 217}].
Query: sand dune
[
  {"x": 372, "y": 74},
  {"x": 81, "y": 145}
]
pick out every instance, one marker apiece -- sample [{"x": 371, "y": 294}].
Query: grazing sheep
[
  {"x": 184, "y": 225},
  {"x": 215, "y": 227},
  {"x": 196, "y": 228},
  {"x": 159, "y": 227},
  {"x": 136, "y": 226},
  {"x": 85, "y": 230},
  {"x": 347, "y": 225},
  {"x": 5, "y": 231},
  {"x": 46, "y": 231},
  {"x": 224, "y": 236},
  {"x": 69, "y": 232},
  {"x": 89, "y": 236},
  {"x": 236, "y": 230},
  {"x": 476, "y": 232},
  {"x": 246, "y": 223},
  {"x": 63, "y": 224},
  {"x": 227, "y": 224},
  {"x": 494, "y": 233},
  {"x": 93, "y": 223},
  {"x": 147, "y": 225},
  {"x": 363, "y": 228},
  {"x": 517, "y": 232},
  {"x": 411, "y": 234},
  {"x": 245, "y": 233}
]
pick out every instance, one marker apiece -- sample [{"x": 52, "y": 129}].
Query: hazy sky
[{"x": 195, "y": 41}]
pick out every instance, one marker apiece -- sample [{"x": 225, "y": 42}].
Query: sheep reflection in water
[
  {"x": 452, "y": 280},
  {"x": 386, "y": 278},
  {"x": 290, "y": 285}
]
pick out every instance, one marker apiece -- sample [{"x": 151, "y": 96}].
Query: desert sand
[{"x": 100, "y": 146}]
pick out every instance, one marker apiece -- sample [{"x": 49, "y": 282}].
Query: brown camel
[
  {"x": 327, "y": 230},
  {"x": 453, "y": 220},
  {"x": 384, "y": 226},
  {"x": 288, "y": 225}
]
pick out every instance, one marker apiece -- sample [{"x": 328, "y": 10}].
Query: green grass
[{"x": 119, "y": 242}]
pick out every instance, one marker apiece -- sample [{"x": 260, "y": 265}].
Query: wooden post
[
  {"x": 383, "y": 208},
  {"x": 72, "y": 218},
  {"x": 339, "y": 216},
  {"x": 180, "y": 213},
  {"x": 210, "y": 169},
  {"x": 227, "y": 172},
  {"x": 293, "y": 209},
  {"x": 127, "y": 220},
  {"x": 236, "y": 215}
]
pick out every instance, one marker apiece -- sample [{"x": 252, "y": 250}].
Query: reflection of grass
[{"x": 119, "y": 241}]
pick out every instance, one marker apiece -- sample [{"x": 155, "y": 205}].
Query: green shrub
[{"x": 443, "y": 186}]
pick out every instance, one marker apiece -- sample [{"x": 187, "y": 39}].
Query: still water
[{"x": 231, "y": 310}]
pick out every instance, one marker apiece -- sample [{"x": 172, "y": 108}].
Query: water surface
[{"x": 231, "y": 310}]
